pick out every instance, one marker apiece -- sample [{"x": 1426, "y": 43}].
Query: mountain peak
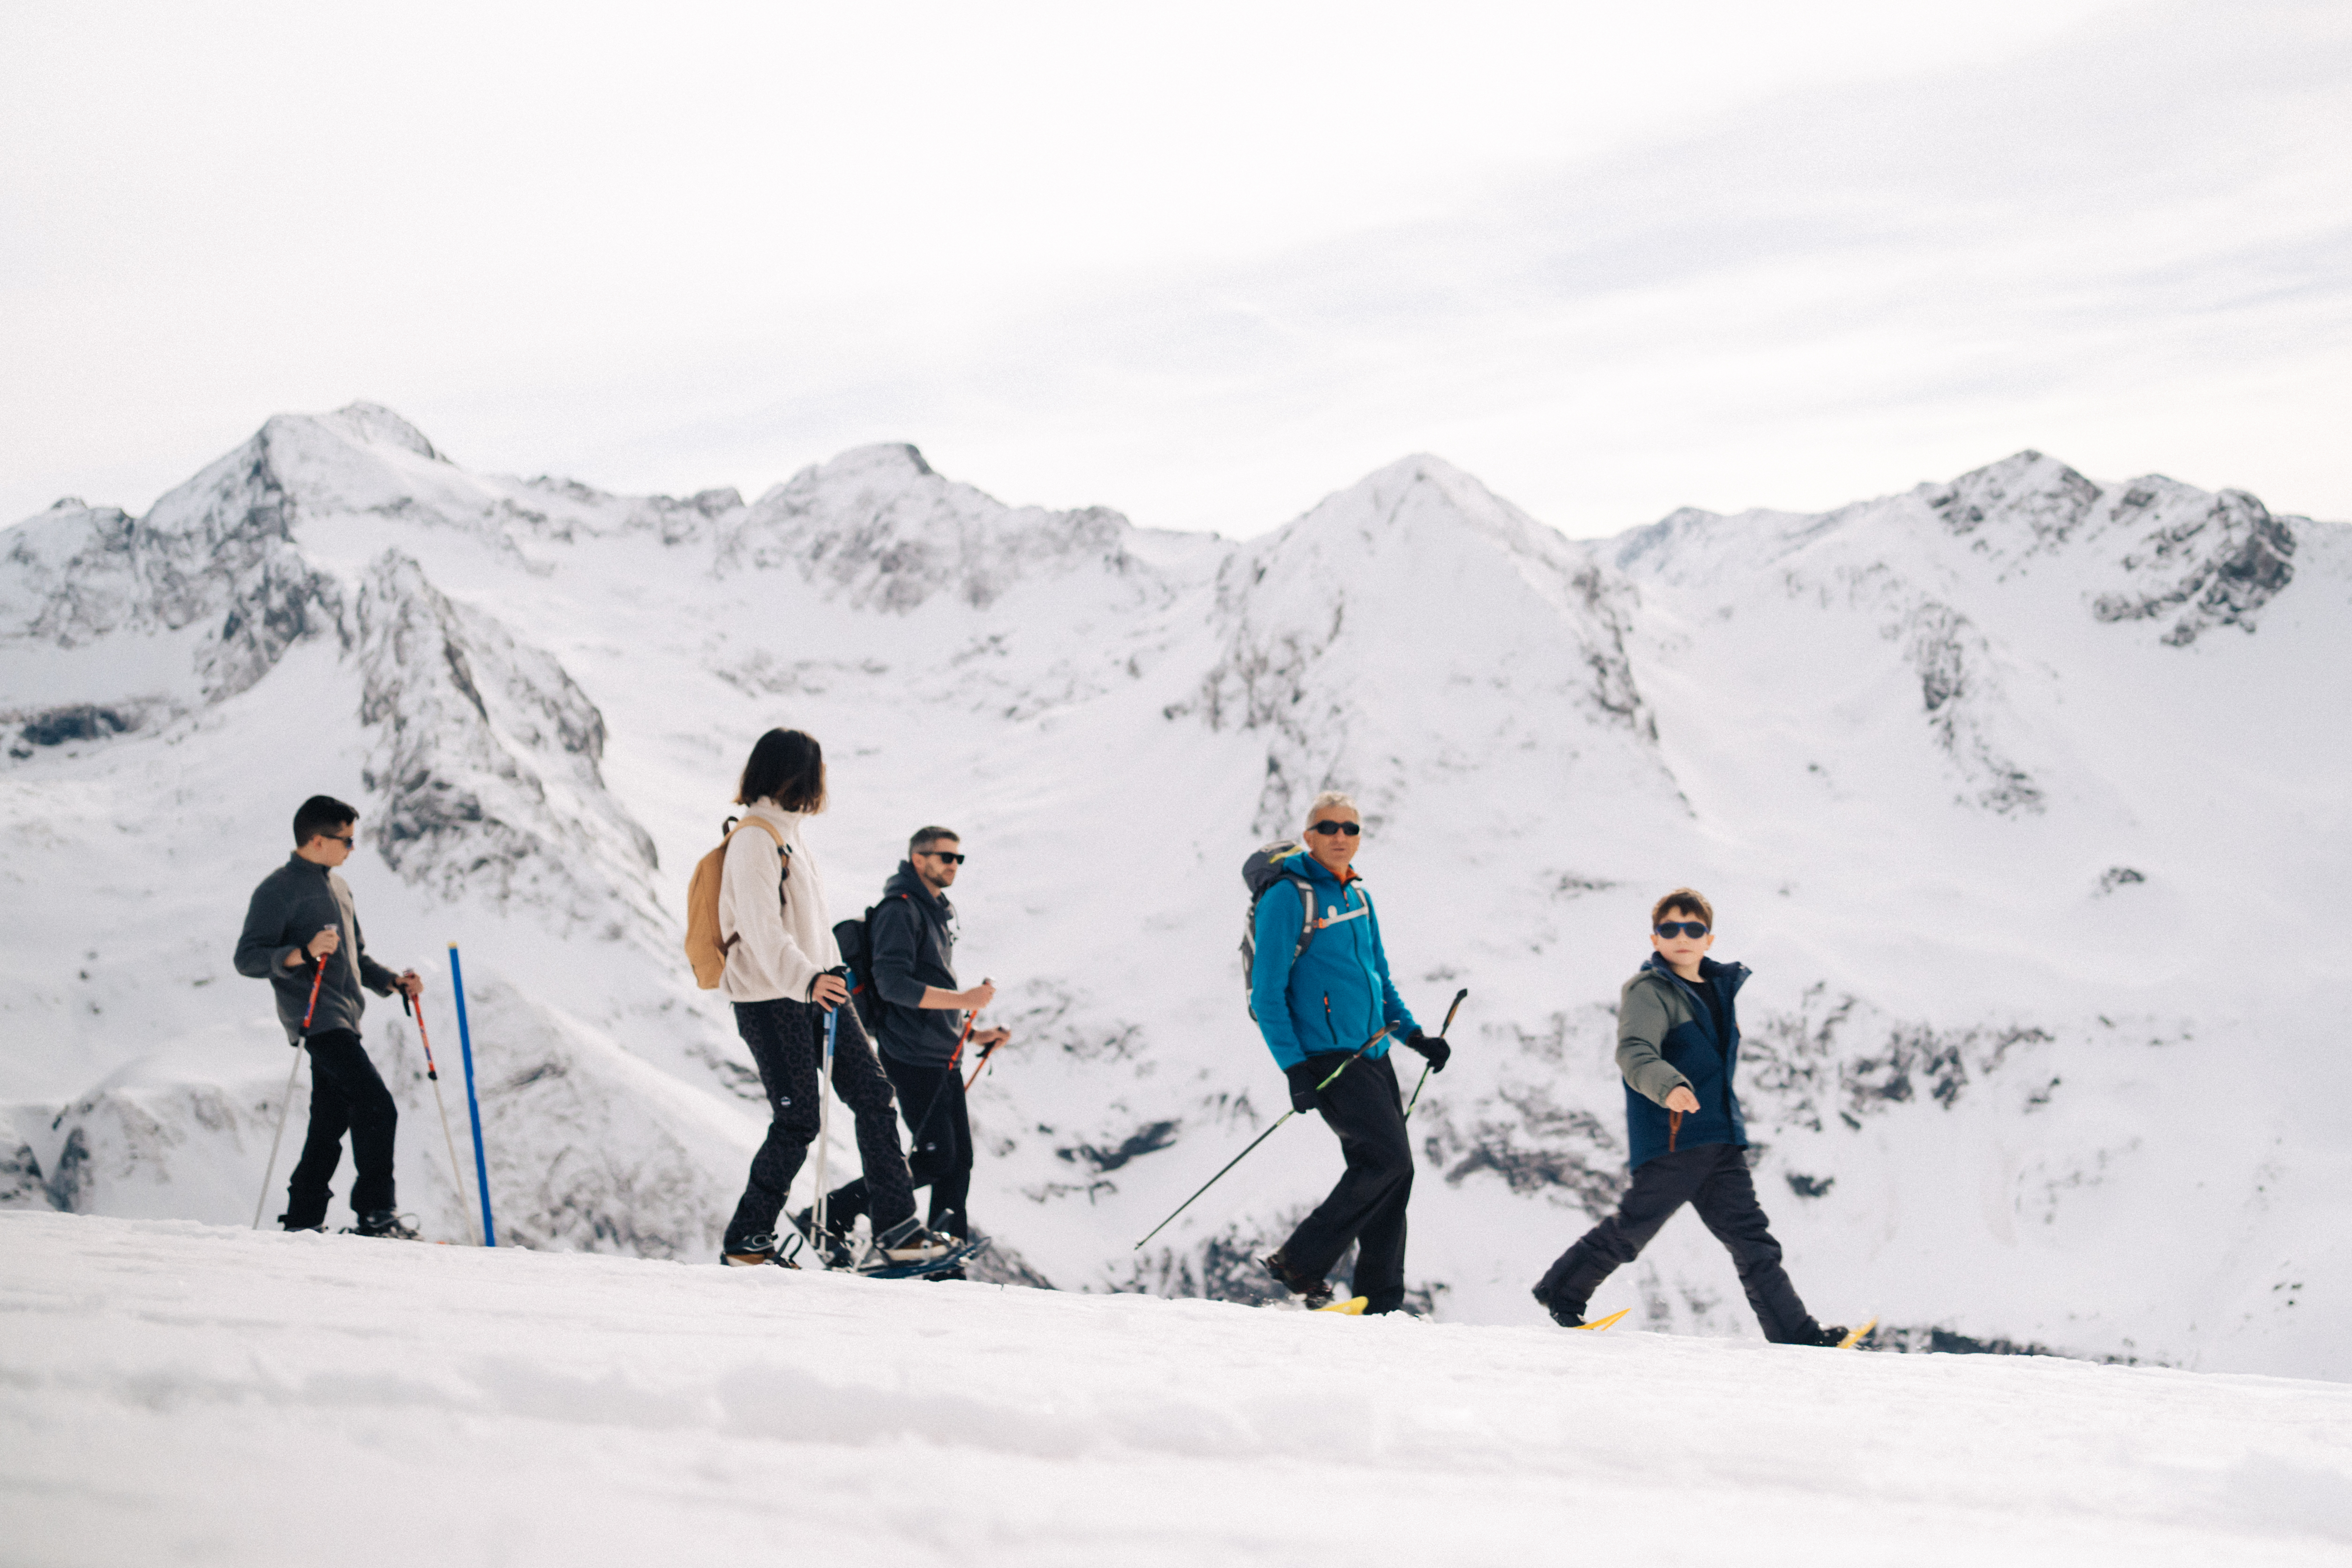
[
  {"x": 882, "y": 459},
  {"x": 374, "y": 424}
]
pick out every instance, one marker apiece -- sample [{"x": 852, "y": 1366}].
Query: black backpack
[
  {"x": 1264, "y": 867},
  {"x": 857, "y": 945}
]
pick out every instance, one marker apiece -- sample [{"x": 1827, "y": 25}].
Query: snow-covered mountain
[{"x": 2021, "y": 794}]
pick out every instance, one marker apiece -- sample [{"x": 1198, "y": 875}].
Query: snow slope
[
  {"x": 2018, "y": 793},
  {"x": 173, "y": 1391}
]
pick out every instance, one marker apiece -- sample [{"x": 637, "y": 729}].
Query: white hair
[{"x": 1326, "y": 801}]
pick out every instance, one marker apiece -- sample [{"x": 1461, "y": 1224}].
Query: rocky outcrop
[
  {"x": 485, "y": 759},
  {"x": 878, "y": 528}
]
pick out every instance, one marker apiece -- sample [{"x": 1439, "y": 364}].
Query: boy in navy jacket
[{"x": 1677, "y": 1047}]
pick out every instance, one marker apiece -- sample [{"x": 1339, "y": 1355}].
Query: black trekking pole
[
  {"x": 1262, "y": 1137},
  {"x": 1426, "y": 1067},
  {"x": 980, "y": 1063},
  {"x": 916, "y": 1137}
]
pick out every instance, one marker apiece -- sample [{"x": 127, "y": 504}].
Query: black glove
[
  {"x": 1431, "y": 1046},
  {"x": 1302, "y": 1080}
]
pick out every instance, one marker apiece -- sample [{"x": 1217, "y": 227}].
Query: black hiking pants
[
  {"x": 347, "y": 1095},
  {"x": 938, "y": 1147},
  {"x": 1713, "y": 1179},
  {"x": 1363, "y": 1107},
  {"x": 787, "y": 1041}
]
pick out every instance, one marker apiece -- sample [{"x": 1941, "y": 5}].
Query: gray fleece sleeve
[
  {"x": 1641, "y": 1026},
  {"x": 261, "y": 947}
]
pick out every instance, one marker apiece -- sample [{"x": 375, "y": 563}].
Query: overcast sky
[{"x": 1203, "y": 264}]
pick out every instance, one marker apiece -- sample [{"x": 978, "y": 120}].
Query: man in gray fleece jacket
[{"x": 301, "y": 928}]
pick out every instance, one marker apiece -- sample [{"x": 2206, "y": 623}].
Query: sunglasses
[
  {"x": 1671, "y": 929},
  {"x": 346, "y": 839},
  {"x": 948, "y": 855},
  {"x": 1327, "y": 828}
]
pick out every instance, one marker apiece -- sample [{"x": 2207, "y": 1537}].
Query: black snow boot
[
  {"x": 385, "y": 1223},
  {"x": 287, "y": 1222},
  {"x": 1566, "y": 1317},
  {"x": 1832, "y": 1336},
  {"x": 1308, "y": 1288},
  {"x": 756, "y": 1250}
]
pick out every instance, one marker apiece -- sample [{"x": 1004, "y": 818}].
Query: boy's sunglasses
[
  {"x": 1671, "y": 929},
  {"x": 1327, "y": 828},
  {"x": 948, "y": 855}
]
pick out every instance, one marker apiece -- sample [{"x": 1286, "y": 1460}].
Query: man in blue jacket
[
  {"x": 1317, "y": 1007},
  {"x": 1677, "y": 1047}
]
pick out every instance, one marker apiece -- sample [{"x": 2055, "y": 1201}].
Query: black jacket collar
[{"x": 907, "y": 881}]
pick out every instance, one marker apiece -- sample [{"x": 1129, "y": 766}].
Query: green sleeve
[{"x": 1641, "y": 1025}]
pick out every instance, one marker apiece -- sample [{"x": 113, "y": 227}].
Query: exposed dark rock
[
  {"x": 79, "y": 721},
  {"x": 65, "y": 1183},
  {"x": 21, "y": 1184},
  {"x": 1158, "y": 1135},
  {"x": 2217, "y": 568}
]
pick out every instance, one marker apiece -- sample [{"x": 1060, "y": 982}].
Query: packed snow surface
[
  {"x": 177, "y": 1393},
  {"x": 2021, "y": 792}
]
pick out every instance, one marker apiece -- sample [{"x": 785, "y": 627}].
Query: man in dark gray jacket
[
  {"x": 300, "y": 931},
  {"x": 913, "y": 934},
  {"x": 1677, "y": 1048}
]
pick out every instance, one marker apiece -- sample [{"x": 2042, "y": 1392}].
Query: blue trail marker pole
[{"x": 473, "y": 1105}]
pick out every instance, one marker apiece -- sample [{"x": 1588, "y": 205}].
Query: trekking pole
[
  {"x": 980, "y": 1064},
  {"x": 957, "y": 1055},
  {"x": 1262, "y": 1137},
  {"x": 1443, "y": 1031},
  {"x": 270, "y": 1173},
  {"x": 473, "y": 1104},
  {"x": 824, "y": 1115},
  {"x": 433, "y": 1073}
]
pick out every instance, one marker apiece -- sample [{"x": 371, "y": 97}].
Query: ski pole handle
[
  {"x": 1447, "y": 1027},
  {"x": 312, "y": 1011}
]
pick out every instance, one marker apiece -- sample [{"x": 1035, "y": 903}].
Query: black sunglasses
[
  {"x": 1327, "y": 829},
  {"x": 948, "y": 855},
  {"x": 346, "y": 839},
  {"x": 1671, "y": 929}
]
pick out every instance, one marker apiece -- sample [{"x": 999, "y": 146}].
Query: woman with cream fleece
[{"x": 783, "y": 975}]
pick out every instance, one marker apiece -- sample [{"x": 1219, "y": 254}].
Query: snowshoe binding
[
  {"x": 909, "y": 1251},
  {"x": 388, "y": 1225},
  {"x": 832, "y": 1247},
  {"x": 756, "y": 1252}
]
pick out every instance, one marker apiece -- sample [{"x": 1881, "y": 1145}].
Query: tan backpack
[{"x": 704, "y": 950}]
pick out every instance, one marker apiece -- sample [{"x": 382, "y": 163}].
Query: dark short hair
[
  {"x": 316, "y": 815},
  {"x": 1689, "y": 901},
  {"x": 787, "y": 767},
  {"x": 926, "y": 837}
]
